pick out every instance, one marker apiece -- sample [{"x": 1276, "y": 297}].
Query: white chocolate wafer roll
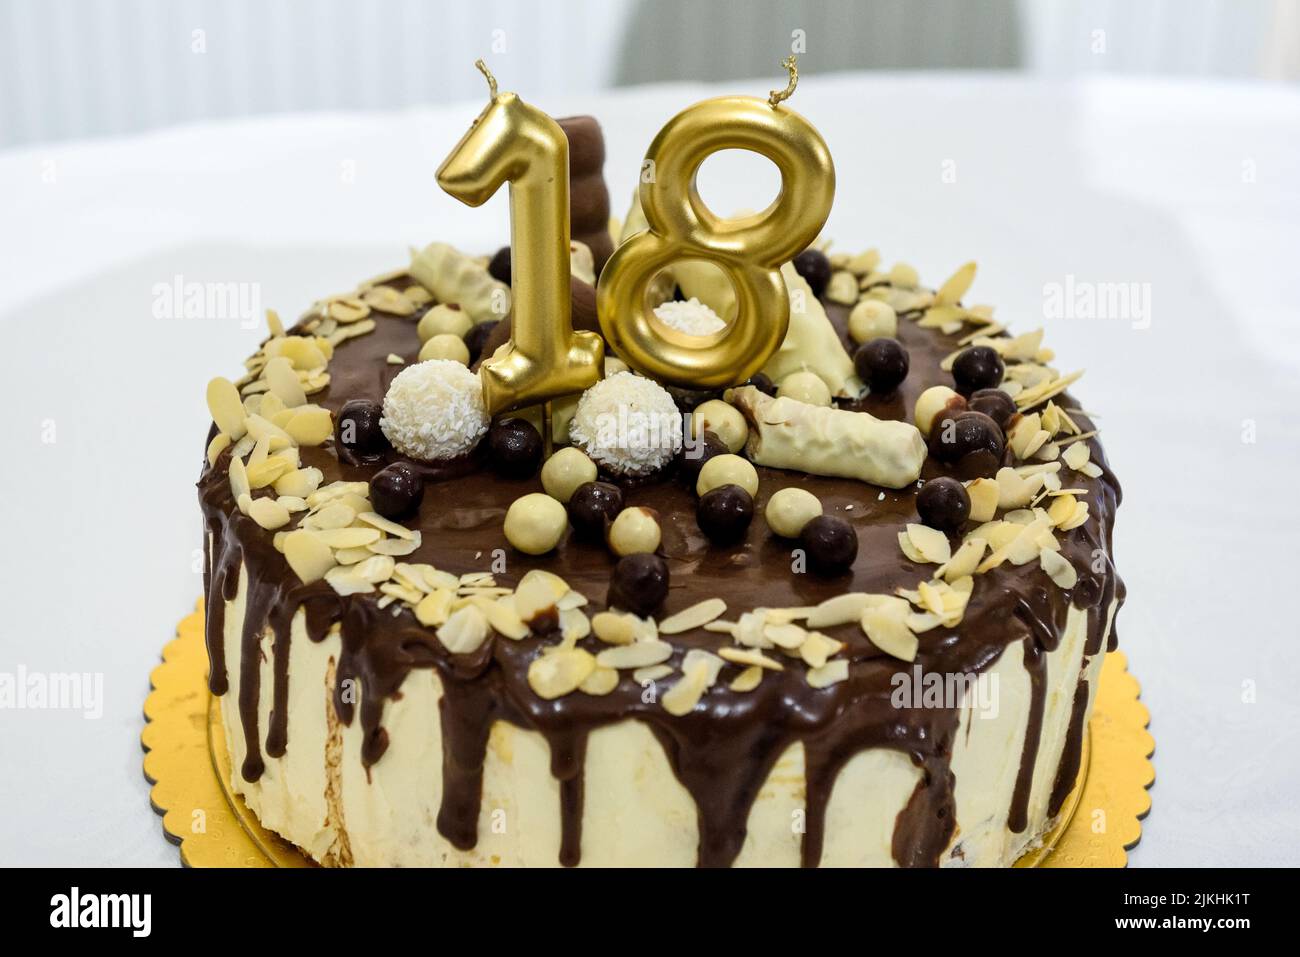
[
  {"x": 787, "y": 434},
  {"x": 812, "y": 344},
  {"x": 454, "y": 277}
]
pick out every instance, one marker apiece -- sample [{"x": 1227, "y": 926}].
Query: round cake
[{"x": 851, "y": 612}]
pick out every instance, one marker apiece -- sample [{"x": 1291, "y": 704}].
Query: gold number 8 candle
[
  {"x": 749, "y": 250},
  {"x": 519, "y": 144}
]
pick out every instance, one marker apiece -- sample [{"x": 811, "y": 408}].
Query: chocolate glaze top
[{"x": 722, "y": 751}]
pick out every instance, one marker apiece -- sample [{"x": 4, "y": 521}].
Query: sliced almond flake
[
  {"x": 1092, "y": 470},
  {"x": 226, "y": 407},
  {"x": 308, "y": 556},
  {"x": 749, "y": 631},
  {"x": 840, "y": 610},
  {"x": 639, "y": 654},
  {"x": 310, "y": 426},
  {"x": 464, "y": 631},
  {"x": 348, "y": 537},
  {"x": 1076, "y": 455},
  {"x": 1058, "y": 569},
  {"x": 721, "y": 627},
  {"x": 614, "y": 628},
  {"x": 574, "y": 625},
  {"x": 405, "y": 592},
  {"x": 600, "y": 682},
  {"x": 751, "y": 657},
  {"x": 653, "y": 673},
  {"x": 886, "y": 630},
  {"x": 1047, "y": 390},
  {"x": 1078, "y": 518},
  {"x": 218, "y": 445},
  {"x": 570, "y": 600},
  {"x": 560, "y": 673},
  {"x": 956, "y": 285},
  {"x": 332, "y": 515},
  {"x": 434, "y": 608},
  {"x": 264, "y": 473},
  {"x": 930, "y": 543},
  {"x": 504, "y": 619},
  {"x": 696, "y": 616},
  {"x": 299, "y": 483},
  {"x": 347, "y": 309},
  {"x": 418, "y": 295},
  {"x": 984, "y": 496},
  {"x": 350, "y": 556},
  {"x": 964, "y": 561},
  {"x": 833, "y": 672},
  {"x": 785, "y": 635},
  {"x": 747, "y": 680},
  {"x": 238, "y": 479},
  {"x": 268, "y": 513},
  {"x": 385, "y": 525},
  {"x": 393, "y": 359},
  {"x": 818, "y": 648},
  {"x": 244, "y": 502},
  {"x": 293, "y": 503},
  {"x": 283, "y": 382},
  {"x": 1016, "y": 490},
  {"x": 388, "y": 299},
  {"x": 912, "y": 553},
  {"x": 395, "y": 547}
]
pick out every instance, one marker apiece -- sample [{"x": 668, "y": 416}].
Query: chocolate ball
[
  {"x": 639, "y": 584},
  {"x": 882, "y": 364},
  {"x": 994, "y": 403},
  {"x": 830, "y": 544},
  {"x": 499, "y": 265},
  {"x": 724, "y": 513},
  {"x": 697, "y": 451},
  {"x": 396, "y": 491},
  {"x": 762, "y": 382},
  {"x": 477, "y": 337},
  {"x": 815, "y": 268},
  {"x": 592, "y": 507},
  {"x": 515, "y": 448},
  {"x": 357, "y": 431},
  {"x": 970, "y": 440},
  {"x": 979, "y": 367},
  {"x": 943, "y": 503}
]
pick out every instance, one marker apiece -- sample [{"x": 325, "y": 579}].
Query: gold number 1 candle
[
  {"x": 512, "y": 142},
  {"x": 749, "y": 250}
]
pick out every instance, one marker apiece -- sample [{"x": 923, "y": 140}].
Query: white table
[{"x": 1192, "y": 189}]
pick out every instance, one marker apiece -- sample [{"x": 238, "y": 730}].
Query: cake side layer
[{"x": 636, "y": 812}]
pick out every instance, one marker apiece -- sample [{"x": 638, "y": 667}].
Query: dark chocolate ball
[
  {"x": 592, "y": 507},
  {"x": 697, "y": 451},
  {"x": 815, "y": 268},
  {"x": 724, "y": 513},
  {"x": 396, "y": 491},
  {"x": 979, "y": 367},
  {"x": 477, "y": 337},
  {"x": 970, "y": 440},
  {"x": 357, "y": 430},
  {"x": 639, "y": 584},
  {"x": 762, "y": 382},
  {"x": 943, "y": 503},
  {"x": 994, "y": 403},
  {"x": 882, "y": 364},
  {"x": 515, "y": 448},
  {"x": 499, "y": 265},
  {"x": 830, "y": 544}
]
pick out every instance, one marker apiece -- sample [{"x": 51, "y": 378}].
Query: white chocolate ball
[
  {"x": 628, "y": 424},
  {"x": 565, "y": 471},
  {"x": 929, "y": 404},
  {"x": 723, "y": 420},
  {"x": 633, "y": 531},
  {"x": 445, "y": 346},
  {"x": 790, "y": 509},
  {"x": 727, "y": 470},
  {"x": 872, "y": 319},
  {"x": 444, "y": 318},
  {"x": 805, "y": 387},
  {"x": 535, "y": 523},
  {"x": 434, "y": 411}
]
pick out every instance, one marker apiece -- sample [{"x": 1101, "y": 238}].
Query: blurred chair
[{"x": 726, "y": 39}]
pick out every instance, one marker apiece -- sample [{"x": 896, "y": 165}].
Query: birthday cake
[{"x": 849, "y": 610}]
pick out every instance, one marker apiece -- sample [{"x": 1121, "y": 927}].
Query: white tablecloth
[{"x": 1190, "y": 189}]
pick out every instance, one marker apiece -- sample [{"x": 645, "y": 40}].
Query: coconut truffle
[
  {"x": 434, "y": 411},
  {"x": 627, "y": 424},
  {"x": 691, "y": 317}
]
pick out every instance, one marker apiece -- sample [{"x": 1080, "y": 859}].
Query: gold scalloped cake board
[{"x": 187, "y": 764}]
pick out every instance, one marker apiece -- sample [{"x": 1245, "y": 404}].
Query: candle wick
[
  {"x": 492, "y": 81},
  {"x": 776, "y": 96}
]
